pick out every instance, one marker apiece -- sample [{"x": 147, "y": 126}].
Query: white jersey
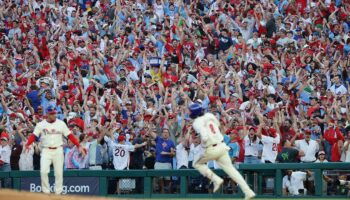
[
  {"x": 195, "y": 152},
  {"x": 5, "y": 153},
  {"x": 51, "y": 133},
  {"x": 341, "y": 89},
  {"x": 121, "y": 155},
  {"x": 270, "y": 148},
  {"x": 181, "y": 156},
  {"x": 208, "y": 128},
  {"x": 251, "y": 148},
  {"x": 295, "y": 183}
]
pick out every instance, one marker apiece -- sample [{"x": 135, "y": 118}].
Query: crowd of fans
[{"x": 276, "y": 74}]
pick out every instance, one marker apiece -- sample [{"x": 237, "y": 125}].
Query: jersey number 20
[{"x": 119, "y": 152}]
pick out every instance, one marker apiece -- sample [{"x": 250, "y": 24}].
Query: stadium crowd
[{"x": 276, "y": 74}]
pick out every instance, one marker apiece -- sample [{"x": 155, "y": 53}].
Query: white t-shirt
[
  {"x": 270, "y": 148},
  {"x": 251, "y": 148},
  {"x": 51, "y": 133},
  {"x": 208, "y": 128},
  {"x": 346, "y": 154},
  {"x": 270, "y": 88},
  {"x": 159, "y": 9},
  {"x": 295, "y": 183},
  {"x": 121, "y": 155},
  {"x": 5, "y": 153},
  {"x": 195, "y": 152},
  {"x": 310, "y": 149},
  {"x": 181, "y": 156}
]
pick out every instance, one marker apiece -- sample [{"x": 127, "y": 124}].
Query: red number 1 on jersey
[{"x": 212, "y": 128}]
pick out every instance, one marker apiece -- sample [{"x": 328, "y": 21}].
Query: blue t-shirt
[
  {"x": 163, "y": 145},
  {"x": 234, "y": 150},
  {"x": 34, "y": 98},
  {"x": 227, "y": 139}
]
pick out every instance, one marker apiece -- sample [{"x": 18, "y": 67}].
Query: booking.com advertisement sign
[{"x": 71, "y": 185}]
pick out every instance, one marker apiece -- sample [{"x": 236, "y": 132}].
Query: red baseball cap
[
  {"x": 272, "y": 132},
  {"x": 4, "y": 136},
  {"x": 121, "y": 138}
]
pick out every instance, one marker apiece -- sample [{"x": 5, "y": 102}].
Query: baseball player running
[
  {"x": 50, "y": 132},
  {"x": 207, "y": 126}
]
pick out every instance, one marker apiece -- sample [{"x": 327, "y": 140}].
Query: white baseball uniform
[
  {"x": 51, "y": 135},
  {"x": 215, "y": 149},
  {"x": 270, "y": 148},
  {"x": 121, "y": 155}
]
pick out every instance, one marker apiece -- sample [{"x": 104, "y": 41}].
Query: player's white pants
[
  {"x": 219, "y": 153},
  {"x": 56, "y": 157}
]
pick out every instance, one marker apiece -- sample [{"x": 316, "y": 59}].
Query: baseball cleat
[
  {"x": 217, "y": 184},
  {"x": 250, "y": 195}
]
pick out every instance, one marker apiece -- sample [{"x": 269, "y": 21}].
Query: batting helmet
[{"x": 196, "y": 110}]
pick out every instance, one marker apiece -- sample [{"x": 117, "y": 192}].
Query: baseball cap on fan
[
  {"x": 4, "y": 136},
  {"x": 51, "y": 110},
  {"x": 121, "y": 138}
]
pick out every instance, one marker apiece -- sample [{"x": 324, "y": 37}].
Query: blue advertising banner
[{"x": 71, "y": 185}]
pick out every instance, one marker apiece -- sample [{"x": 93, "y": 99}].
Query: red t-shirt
[
  {"x": 333, "y": 135},
  {"x": 169, "y": 78},
  {"x": 335, "y": 155}
]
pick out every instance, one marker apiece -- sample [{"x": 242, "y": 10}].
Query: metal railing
[{"x": 254, "y": 174}]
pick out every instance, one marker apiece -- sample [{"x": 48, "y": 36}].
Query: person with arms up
[
  {"x": 51, "y": 132},
  {"x": 5, "y": 157},
  {"x": 270, "y": 137},
  {"x": 121, "y": 156},
  {"x": 5, "y": 152},
  {"x": 207, "y": 126},
  {"x": 121, "y": 151}
]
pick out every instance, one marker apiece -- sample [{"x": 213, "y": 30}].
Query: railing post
[
  {"x": 318, "y": 182},
  {"x": 260, "y": 183},
  {"x": 183, "y": 186},
  {"x": 16, "y": 183},
  {"x": 147, "y": 186},
  {"x": 278, "y": 183},
  {"x": 103, "y": 186}
]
